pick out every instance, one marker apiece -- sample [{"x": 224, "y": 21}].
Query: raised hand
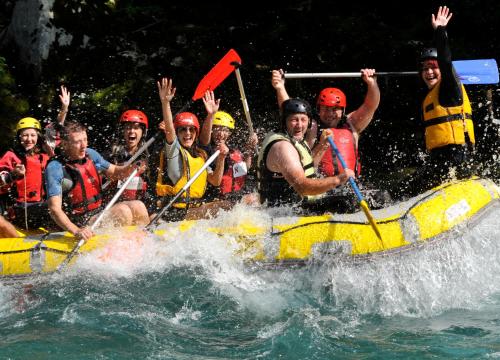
[
  {"x": 166, "y": 90},
  {"x": 64, "y": 96},
  {"x": 211, "y": 104},
  {"x": 442, "y": 17},
  {"x": 368, "y": 76},
  {"x": 278, "y": 79}
]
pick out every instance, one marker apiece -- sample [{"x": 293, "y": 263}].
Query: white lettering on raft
[{"x": 456, "y": 210}]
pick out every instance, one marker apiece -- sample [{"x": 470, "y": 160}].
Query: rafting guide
[{"x": 446, "y": 114}]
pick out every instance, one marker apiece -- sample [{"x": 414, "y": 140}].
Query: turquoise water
[{"x": 189, "y": 298}]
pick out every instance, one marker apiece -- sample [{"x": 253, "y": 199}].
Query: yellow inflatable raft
[{"x": 295, "y": 240}]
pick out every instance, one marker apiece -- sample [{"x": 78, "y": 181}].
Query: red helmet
[
  {"x": 332, "y": 97},
  {"x": 134, "y": 116},
  {"x": 186, "y": 119}
]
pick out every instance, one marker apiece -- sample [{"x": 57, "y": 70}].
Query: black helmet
[
  {"x": 295, "y": 106},
  {"x": 428, "y": 53}
]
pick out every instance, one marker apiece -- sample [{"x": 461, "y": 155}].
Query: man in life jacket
[
  {"x": 285, "y": 169},
  {"x": 182, "y": 157},
  {"x": 73, "y": 184},
  {"x": 22, "y": 172},
  {"x": 217, "y": 130},
  {"x": 446, "y": 114},
  {"x": 132, "y": 129},
  {"x": 333, "y": 120}
]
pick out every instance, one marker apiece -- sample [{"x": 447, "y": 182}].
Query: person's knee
[
  {"x": 139, "y": 212},
  {"x": 122, "y": 214}
]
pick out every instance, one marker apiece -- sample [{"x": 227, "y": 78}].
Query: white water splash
[{"x": 457, "y": 271}]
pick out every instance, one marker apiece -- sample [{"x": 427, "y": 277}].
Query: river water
[{"x": 191, "y": 298}]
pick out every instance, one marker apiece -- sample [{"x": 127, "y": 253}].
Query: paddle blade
[
  {"x": 370, "y": 218},
  {"x": 475, "y": 72},
  {"x": 219, "y": 72}
]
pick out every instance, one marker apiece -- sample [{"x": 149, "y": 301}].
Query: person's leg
[
  {"x": 7, "y": 230},
  {"x": 139, "y": 212},
  {"x": 120, "y": 215}
]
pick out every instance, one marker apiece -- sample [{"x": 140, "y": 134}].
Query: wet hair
[{"x": 71, "y": 127}]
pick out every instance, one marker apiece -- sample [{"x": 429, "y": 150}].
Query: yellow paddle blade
[{"x": 370, "y": 218}]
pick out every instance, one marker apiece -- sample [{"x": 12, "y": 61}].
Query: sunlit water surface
[{"x": 191, "y": 298}]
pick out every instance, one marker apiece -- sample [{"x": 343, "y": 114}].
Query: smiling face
[
  {"x": 330, "y": 116},
  {"x": 132, "y": 134},
  {"x": 220, "y": 134},
  {"x": 28, "y": 138},
  {"x": 186, "y": 135},
  {"x": 430, "y": 73},
  {"x": 75, "y": 145},
  {"x": 296, "y": 125}
]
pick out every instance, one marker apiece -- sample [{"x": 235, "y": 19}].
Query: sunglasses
[{"x": 187, "y": 128}]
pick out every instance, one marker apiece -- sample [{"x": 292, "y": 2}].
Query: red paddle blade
[{"x": 219, "y": 72}]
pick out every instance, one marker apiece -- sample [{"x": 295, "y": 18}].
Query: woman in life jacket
[
  {"x": 237, "y": 164},
  {"x": 132, "y": 129},
  {"x": 181, "y": 156},
  {"x": 22, "y": 173},
  {"x": 446, "y": 114}
]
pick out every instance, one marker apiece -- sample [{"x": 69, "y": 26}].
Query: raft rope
[
  {"x": 402, "y": 217},
  {"x": 25, "y": 204}
]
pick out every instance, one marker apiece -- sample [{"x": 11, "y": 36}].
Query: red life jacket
[
  {"x": 235, "y": 173},
  {"x": 35, "y": 165},
  {"x": 346, "y": 144},
  {"x": 85, "y": 194}
]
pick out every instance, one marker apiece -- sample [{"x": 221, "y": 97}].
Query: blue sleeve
[
  {"x": 101, "y": 164},
  {"x": 53, "y": 179}
]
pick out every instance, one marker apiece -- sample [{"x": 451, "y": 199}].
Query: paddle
[
  {"x": 98, "y": 220},
  {"x": 210, "y": 81},
  {"x": 471, "y": 72},
  {"x": 362, "y": 202},
  {"x": 219, "y": 72},
  {"x": 158, "y": 216},
  {"x": 243, "y": 97}
]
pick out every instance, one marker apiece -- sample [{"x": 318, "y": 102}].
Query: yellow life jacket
[
  {"x": 446, "y": 125},
  {"x": 190, "y": 165}
]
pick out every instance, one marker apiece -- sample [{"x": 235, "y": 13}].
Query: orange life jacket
[{"x": 343, "y": 138}]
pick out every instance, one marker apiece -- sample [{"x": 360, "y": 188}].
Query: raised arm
[
  {"x": 64, "y": 97},
  {"x": 362, "y": 117},
  {"x": 211, "y": 106},
  {"x": 278, "y": 82},
  {"x": 450, "y": 93},
  {"x": 166, "y": 92}
]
